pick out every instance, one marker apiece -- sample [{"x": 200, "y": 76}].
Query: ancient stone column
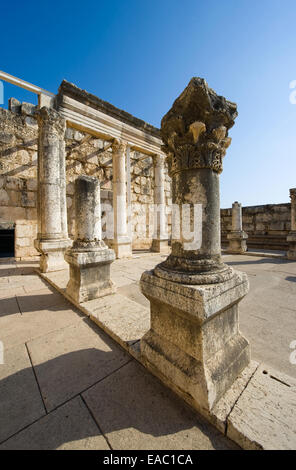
[
  {"x": 160, "y": 238},
  {"x": 194, "y": 344},
  {"x": 52, "y": 239},
  {"x": 237, "y": 237},
  {"x": 89, "y": 258},
  {"x": 121, "y": 243},
  {"x": 291, "y": 238}
]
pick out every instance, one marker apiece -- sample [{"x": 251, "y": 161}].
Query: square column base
[
  {"x": 291, "y": 253},
  {"x": 52, "y": 254},
  {"x": 122, "y": 247},
  {"x": 237, "y": 242},
  {"x": 159, "y": 246},
  {"x": 194, "y": 345},
  {"x": 89, "y": 274}
]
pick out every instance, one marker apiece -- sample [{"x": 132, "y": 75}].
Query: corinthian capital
[
  {"x": 119, "y": 146},
  {"x": 51, "y": 121},
  {"x": 195, "y": 130}
]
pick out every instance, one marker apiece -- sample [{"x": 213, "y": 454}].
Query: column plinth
[
  {"x": 52, "y": 239},
  {"x": 89, "y": 258},
  {"x": 121, "y": 242},
  {"x": 237, "y": 237},
  {"x": 291, "y": 238},
  {"x": 194, "y": 344}
]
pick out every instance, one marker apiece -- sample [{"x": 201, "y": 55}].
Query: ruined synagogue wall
[
  {"x": 18, "y": 171},
  {"x": 91, "y": 156},
  {"x": 267, "y": 225},
  {"x": 85, "y": 155}
]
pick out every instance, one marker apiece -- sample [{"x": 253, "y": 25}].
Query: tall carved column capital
[
  {"x": 51, "y": 122},
  {"x": 195, "y": 130},
  {"x": 119, "y": 146}
]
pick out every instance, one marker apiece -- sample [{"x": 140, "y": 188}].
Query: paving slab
[
  {"x": 20, "y": 400},
  {"x": 9, "y": 306},
  {"x": 70, "y": 427},
  {"x": 72, "y": 359},
  {"x": 45, "y": 298},
  {"x": 132, "y": 292},
  {"x": 18, "y": 329},
  {"x": 125, "y": 320},
  {"x": 135, "y": 411},
  {"x": 264, "y": 415},
  {"x": 8, "y": 291}
]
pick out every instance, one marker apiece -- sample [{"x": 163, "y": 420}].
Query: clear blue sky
[{"x": 139, "y": 56}]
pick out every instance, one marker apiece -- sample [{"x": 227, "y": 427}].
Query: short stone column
[
  {"x": 194, "y": 344},
  {"x": 52, "y": 239},
  {"x": 160, "y": 238},
  {"x": 237, "y": 237},
  {"x": 121, "y": 242},
  {"x": 291, "y": 238},
  {"x": 89, "y": 258}
]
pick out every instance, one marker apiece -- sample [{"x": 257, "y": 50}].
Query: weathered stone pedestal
[
  {"x": 160, "y": 237},
  {"x": 291, "y": 238},
  {"x": 89, "y": 258},
  {"x": 194, "y": 344},
  {"x": 237, "y": 238},
  {"x": 52, "y": 239}
]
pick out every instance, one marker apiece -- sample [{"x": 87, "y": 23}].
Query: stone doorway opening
[{"x": 6, "y": 242}]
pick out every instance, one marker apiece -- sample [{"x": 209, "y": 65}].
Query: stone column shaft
[
  {"x": 122, "y": 242},
  {"x": 52, "y": 239},
  {"x": 160, "y": 239},
  {"x": 89, "y": 258},
  {"x": 237, "y": 237}
]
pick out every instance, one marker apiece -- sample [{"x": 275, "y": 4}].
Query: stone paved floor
[{"x": 65, "y": 384}]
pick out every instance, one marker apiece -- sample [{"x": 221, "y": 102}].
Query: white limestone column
[
  {"x": 52, "y": 239},
  {"x": 121, "y": 242},
  {"x": 160, "y": 239},
  {"x": 237, "y": 219},
  {"x": 237, "y": 237}
]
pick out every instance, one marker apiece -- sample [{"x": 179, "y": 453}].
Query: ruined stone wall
[
  {"x": 18, "y": 183},
  {"x": 267, "y": 226},
  {"x": 85, "y": 154},
  {"x": 142, "y": 197}
]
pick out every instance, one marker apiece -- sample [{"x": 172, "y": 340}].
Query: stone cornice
[{"x": 69, "y": 89}]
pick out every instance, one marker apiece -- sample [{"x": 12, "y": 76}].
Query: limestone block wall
[
  {"x": 142, "y": 197},
  {"x": 85, "y": 154},
  {"x": 267, "y": 226},
  {"x": 18, "y": 168}
]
